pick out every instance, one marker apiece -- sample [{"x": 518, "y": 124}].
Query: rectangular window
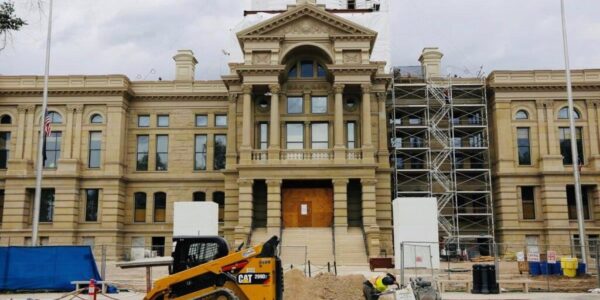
[
  {"x": 158, "y": 245},
  {"x": 221, "y": 120},
  {"x": 351, "y": 4},
  {"x": 295, "y": 135},
  {"x": 524, "y": 146},
  {"x": 144, "y": 121},
  {"x": 200, "y": 152},
  {"x": 572, "y": 206},
  {"x": 319, "y": 105},
  {"x": 162, "y": 152},
  {"x": 220, "y": 151},
  {"x": 4, "y": 148},
  {"x": 46, "y": 205},
  {"x": 320, "y": 135},
  {"x": 142, "y": 153},
  {"x": 1, "y": 205},
  {"x": 160, "y": 206},
  {"x": 162, "y": 120},
  {"x": 528, "y": 202},
  {"x": 294, "y": 105},
  {"x": 351, "y": 135},
  {"x": 95, "y": 147},
  {"x": 139, "y": 210},
  {"x": 565, "y": 145},
  {"x": 53, "y": 143},
  {"x": 91, "y": 205},
  {"x": 263, "y": 135},
  {"x": 201, "y": 120},
  {"x": 306, "y": 68}
]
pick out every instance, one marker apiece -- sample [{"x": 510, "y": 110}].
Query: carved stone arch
[{"x": 283, "y": 58}]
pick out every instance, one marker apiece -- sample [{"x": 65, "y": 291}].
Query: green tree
[{"x": 8, "y": 22}]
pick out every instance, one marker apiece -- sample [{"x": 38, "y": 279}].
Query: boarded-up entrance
[{"x": 307, "y": 206}]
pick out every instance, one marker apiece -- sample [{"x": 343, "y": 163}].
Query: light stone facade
[
  {"x": 533, "y": 101},
  {"x": 253, "y": 93}
]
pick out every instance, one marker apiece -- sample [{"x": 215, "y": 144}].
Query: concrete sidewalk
[{"x": 522, "y": 296}]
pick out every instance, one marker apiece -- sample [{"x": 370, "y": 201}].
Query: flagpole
[
  {"x": 40, "y": 156},
  {"x": 574, "y": 152}
]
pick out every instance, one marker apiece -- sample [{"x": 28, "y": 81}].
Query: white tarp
[
  {"x": 196, "y": 219},
  {"x": 416, "y": 225},
  {"x": 377, "y": 21}
]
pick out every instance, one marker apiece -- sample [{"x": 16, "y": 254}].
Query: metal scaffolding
[{"x": 440, "y": 148}]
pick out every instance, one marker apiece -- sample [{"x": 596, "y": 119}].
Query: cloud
[{"x": 134, "y": 36}]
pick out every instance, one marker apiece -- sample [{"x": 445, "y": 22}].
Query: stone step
[
  {"x": 307, "y": 244},
  {"x": 350, "y": 247}
]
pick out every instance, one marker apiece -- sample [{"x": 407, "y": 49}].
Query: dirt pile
[{"x": 322, "y": 286}]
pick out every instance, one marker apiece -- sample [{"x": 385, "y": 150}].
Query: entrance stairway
[
  {"x": 350, "y": 247},
  {"x": 316, "y": 244}
]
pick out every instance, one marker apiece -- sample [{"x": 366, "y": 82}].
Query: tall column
[
  {"x": 242, "y": 230},
  {"x": 246, "y": 148},
  {"x": 369, "y": 211},
  {"x": 338, "y": 132},
  {"x": 340, "y": 203},
  {"x": 592, "y": 133},
  {"x": 22, "y": 110},
  {"x": 552, "y": 161},
  {"x": 307, "y": 136},
  {"x": 31, "y": 127},
  {"x": 273, "y": 206},
  {"x": 367, "y": 145},
  {"x": 69, "y": 131},
  {"x": 231, "y": 154},
  {"x": 112, "y": 122},
  {"x": 274, "y": 133},
  {"x": 383, "y": 153},
  {"x": 541, "y": 127}
]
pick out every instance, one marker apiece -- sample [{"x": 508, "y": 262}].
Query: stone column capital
[
  {"x": 246, "y": 88},
  {"x": 245, "y": 182},
  {"x": 338, "y": 88},
  {"x": 76, "y": 108},
  {"x": 274, "y": 88},
  {"x": 273, "y": 182},
  {"x": 596, "y": 102},
  {"x": 340, "y": 181},
  {"x": 306, "y": 90},
  {"x": 381, "y": 96},
  {"x": 366, "y": 88},
  {"x": 539, "y": 104},
  {"x": 548, "y": 103},
  {"x": 233, "y": 97},
  {"x": 25, "y": 107},
  {"x": 368, "y": 181}
]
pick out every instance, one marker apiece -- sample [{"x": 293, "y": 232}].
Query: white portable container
[
  {"x": 196, "y": 219},
  {"x": 416, "y": 225}
]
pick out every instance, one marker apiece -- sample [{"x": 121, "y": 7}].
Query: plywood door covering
[{"x": 318, "y": 203}]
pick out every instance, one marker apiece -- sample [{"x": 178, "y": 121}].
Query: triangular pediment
[{"x": 306, "y": 19}]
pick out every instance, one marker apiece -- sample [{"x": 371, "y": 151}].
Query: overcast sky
[{"x": 132, "y": 37}]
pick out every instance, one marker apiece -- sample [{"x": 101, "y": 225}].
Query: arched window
[
  {"x": 139, "y": 212},
  {"x": 521, "y": 115},
  {"x": 5, "y": 119},
  {"x": 96, "y": 119},
  {"x": 307, "y": 68},
  {"x": 199, "y": 196},
  {"x": 219, "y": 198},
  {"x": 563, "y": 113},
  {"x": 160, "y": 206},
  {"x": 55, "y": 118}
]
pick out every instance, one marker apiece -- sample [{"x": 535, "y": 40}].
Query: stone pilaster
[
  {"x": 231, "y": 154},
  {"x": 340, "y": 203},
  {"x": 244, "y": 225},
  {"x": 20, "y": 164},
  {"x": 273, "y": 206},
  {"x": 339, "y": 147},
  {"x": 274, "y": 132},
  {"x": 553, "y": 160},
  {"x": 116, "y": 119},
  {"x": 369, "y": 211},
  {"x": 71, "y": 151},
  {"x": 592, "y": 107}
]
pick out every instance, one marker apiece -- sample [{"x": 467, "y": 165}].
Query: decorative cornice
[
  {"x": 233, "y": 97},
  {"x": 212, "y": 97},
  {"x": 65, "y": 92}
]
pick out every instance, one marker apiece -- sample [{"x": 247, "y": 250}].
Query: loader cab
[{"x": 191, "y": 251}]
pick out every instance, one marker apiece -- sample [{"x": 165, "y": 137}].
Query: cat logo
[{"x": 252, "y": 278}]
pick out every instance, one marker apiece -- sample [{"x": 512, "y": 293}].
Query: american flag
[{"x": 47, "y": 122}]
